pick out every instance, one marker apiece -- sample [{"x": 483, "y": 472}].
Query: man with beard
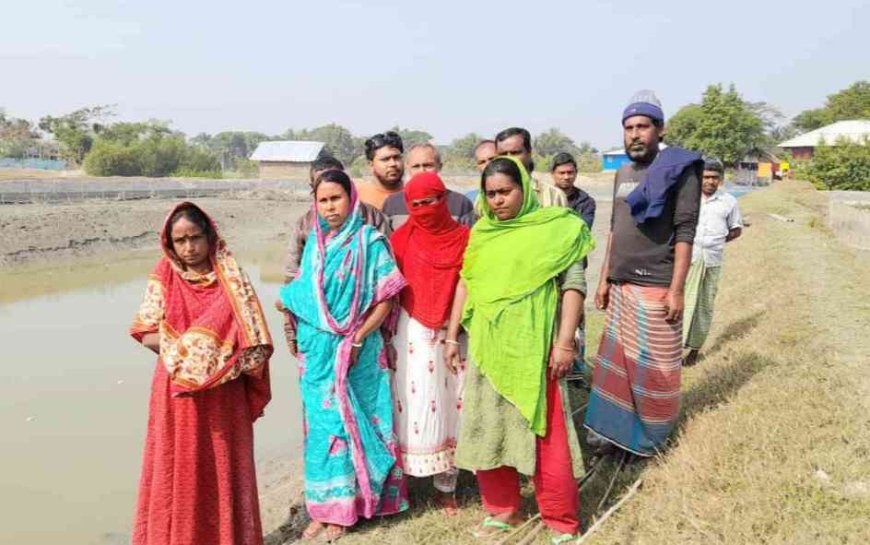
[
  {"x": 517, "y": 142},
  {"x": 425, "y": 158},
  {"x": 384, "y": 153},
  {"x": 635, "y": 397}
]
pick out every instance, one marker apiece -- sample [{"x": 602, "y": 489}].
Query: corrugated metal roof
[
  {"x": 854, "y": 130},
  {"x": 294, "y": 151}
]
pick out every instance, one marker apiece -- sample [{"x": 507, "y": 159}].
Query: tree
[
  {"x": 842, "y": 166},
  {"x": 147, "y": 149},
  {"x": 411, "y": 137},
  {"x": 17, "y": 136},
  {"x": 723, "y": 125},
  {"x": 850, "y": 103},
  {"x": 75, "y": 131},
  {"x": 460, "y": 152},
  {"x": 553, "y": 141}
]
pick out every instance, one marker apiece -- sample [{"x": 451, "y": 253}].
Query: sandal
[
  {"x": 490, "y": 527},
  {"x": 447, "y": 503},
  {"x": 559, "y": 539}
]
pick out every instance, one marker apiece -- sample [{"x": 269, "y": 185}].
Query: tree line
[{"x": 721, "y": 124}]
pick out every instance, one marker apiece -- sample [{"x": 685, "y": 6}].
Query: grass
[{"x": 774, "y": 442}]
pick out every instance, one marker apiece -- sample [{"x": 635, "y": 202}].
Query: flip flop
[
  {"x": 563, "y": 538},
  {"x": 490, "y": 527}
]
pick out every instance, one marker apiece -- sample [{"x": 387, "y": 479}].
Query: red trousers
[{"x": 555, "y": 486}]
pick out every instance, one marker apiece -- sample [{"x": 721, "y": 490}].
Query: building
[
  {"x": 803, "y": 146},
  {"x": 613, "y": 159},
  {"x": 286, "y": 159}
]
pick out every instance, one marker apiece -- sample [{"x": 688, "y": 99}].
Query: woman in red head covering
[
  {"x": 211, "y": 381},
  {"x": 429, "y": 249}
]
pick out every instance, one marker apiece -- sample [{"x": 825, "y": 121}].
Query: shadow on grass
[
  {"x": 721, "y": 383},
  {"x": 735, "y": 330},
  {"x": 716, "y": 387}
]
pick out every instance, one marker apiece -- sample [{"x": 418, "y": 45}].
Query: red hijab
[
  {"x": 212, "y": 328},
  {"x": 429, "y": 248}
]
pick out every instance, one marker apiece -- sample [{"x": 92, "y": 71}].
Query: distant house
[
  {"x": 758, "y": 166},
  {"x": 803, "y": 146},
  {"x": 613, "y": 159},
  {"x": 289, "y": 159}
]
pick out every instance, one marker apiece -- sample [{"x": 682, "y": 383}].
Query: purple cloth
[{"x": 647, "y": 200}]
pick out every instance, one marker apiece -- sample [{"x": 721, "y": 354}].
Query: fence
[
  {"x": 67, "y": 190},
  {"x": 850, "y": 222},
  {"x": 40, "y": 164}
]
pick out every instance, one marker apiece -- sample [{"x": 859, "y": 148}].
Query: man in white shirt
[{"x": 719, "y": 222}]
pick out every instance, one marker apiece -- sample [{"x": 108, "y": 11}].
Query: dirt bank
[{"x": 51, "y": 232}]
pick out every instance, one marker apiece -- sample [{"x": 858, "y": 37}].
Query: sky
[{"x": 449, "y": 67}]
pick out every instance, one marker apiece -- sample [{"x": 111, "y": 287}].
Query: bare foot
[
  {"x": 334, "y": 532},
  {"x": 313, "y": 530},
  {"x": 447, "y": 502}
]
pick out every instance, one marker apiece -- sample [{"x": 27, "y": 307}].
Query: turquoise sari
[{"x": 351, "y": 454}]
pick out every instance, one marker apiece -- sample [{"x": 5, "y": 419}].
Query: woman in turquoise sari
[{"x": 340, "y": 298}]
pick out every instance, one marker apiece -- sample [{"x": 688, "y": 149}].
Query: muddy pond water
[{"x": 74, "y": 391}]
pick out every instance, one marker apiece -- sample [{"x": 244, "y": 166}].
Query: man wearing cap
[
  {"x": 635, "y": 397},
  {"x": 719, "y": 221}
]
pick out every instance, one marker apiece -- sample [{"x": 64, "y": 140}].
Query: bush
[
  {"x": 843, "y": 166},
  {"x": 112, "y": 159},
  {"x": 158, "y": 155}
]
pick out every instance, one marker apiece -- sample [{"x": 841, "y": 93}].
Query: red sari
[{"x": 211, "y": 382}]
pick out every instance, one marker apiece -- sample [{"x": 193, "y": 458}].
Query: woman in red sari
[{"x": 201, "y": 316}]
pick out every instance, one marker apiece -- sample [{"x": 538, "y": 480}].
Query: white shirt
[{"x": 718, "y": 215}]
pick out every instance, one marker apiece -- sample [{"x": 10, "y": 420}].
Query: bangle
[
  {"x": 566, "y": 348},
  {"x": 356, "y": 345},
  {"x": 451, "y": 341}
]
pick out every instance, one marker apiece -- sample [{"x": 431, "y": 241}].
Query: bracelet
[
  {"x": 356, "y": 345},
  {"x": 566, "y": 348},
  {"x": 451, "y": 341}
]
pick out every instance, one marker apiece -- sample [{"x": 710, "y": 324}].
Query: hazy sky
[{"x": 447, "y": 67}]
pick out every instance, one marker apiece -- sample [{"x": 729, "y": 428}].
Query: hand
[
  {"x": 674, "y": 305},
  {"x": 602, "y": 295},
  {"x": 279, "y": 306},
  {"x": 561, "y": 361},
  {"x": 354, "y": 354},
  {"x": 451, "y": 357}
]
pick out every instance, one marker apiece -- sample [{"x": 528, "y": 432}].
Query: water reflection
[{"x": 74, "y": 393}]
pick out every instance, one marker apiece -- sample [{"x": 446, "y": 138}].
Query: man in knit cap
[{"x": 635, "y": 396}]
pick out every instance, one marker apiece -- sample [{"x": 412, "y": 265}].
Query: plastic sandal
[
  {"x": 490, "y": 527},
  {"x": 562, "y": 538}
]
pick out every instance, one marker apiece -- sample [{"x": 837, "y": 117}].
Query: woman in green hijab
[{"x": 520, "y": 299}]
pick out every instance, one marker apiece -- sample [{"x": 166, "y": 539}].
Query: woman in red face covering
[{"x": 427, "y": 394}]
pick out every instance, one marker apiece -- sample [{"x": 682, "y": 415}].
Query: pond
[{"x": 74, "y": 391}]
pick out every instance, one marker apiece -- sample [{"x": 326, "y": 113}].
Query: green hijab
[{"x": 510, "y": 270}]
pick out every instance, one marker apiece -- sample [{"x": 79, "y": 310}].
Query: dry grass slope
[{"x": 774, "y": 444}]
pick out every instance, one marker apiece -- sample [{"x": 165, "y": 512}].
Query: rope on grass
[
  {"x": 612, "y": 480},
  {"x": 598, "y": 523}
]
